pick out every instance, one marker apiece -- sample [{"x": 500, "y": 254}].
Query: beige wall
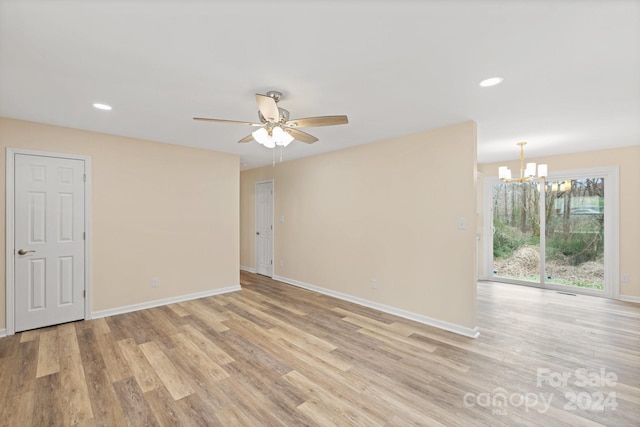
[
  {"x": 386, "y": 211},
  {"x": 159, "y": 210},
  {"x": 628, "y": 160}
]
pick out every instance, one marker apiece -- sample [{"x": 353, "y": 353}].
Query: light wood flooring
[{"x": 273, "y": 355}]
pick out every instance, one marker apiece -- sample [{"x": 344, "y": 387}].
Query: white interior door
[
  {"x": 49, "y": 233},
  {"x": 264, "y": 228}
]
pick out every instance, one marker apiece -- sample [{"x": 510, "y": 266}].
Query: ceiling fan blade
[
  {"x": 302, "y": 136},
  {"x": 227, "y": 121},
  {"x": 268, "y": 107},
  {"x": 310, "y": 122},
  {"x": 247, "y": 138}
]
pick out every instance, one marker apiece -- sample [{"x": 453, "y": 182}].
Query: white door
[
  {"x": 264, "y": 228},
  {"x": 49, "y": 241}
]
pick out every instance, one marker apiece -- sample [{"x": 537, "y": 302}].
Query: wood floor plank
[
  {"x": 278, "y": 355},
  {"x": 68, "y": 341},
  {"x": 164, "y": 407},
  {"x": 47, "y": 410},
  {"x": 161, "y": 326},
  {"x": 214, "y": 352},
  {"x": 302, "y": 344},
  {"x": 205, "y": 386},
  {"x": 293, "y": 333},
  {"x": 30, "y": 335},
  {"x": 74, "y": 393},
  {"x": 100, "y": 326},
  {"x": 116, "y": 366},
  {"x": 314, "y": 367},
  {"x": 198, "y": 356},
  {"x": 210, "y": 317},
  {"x": 139, "y": 365},
  {"x": 166, "y": 371},
  {"x": 9, "y": 346},
  {"x": 404, "y": 412},
  {"x": 342, "y": 407},
  {"x": 259, "y": 404},
  {"x": 19, "y": 410},
  {"x": 48, "y": 353},
  {"x": 140, "y": 329},
  {"x": 196, "y": 412},
  {"x": 321, "y": 415},
  {"x": 23, "y": 367},
  {"x": 292, "y": 308},
  {"x": 179, "y": 310},
  {"x": 134, "y": 406},
  {"x": 232, "y": 416},
  {"x": 8, "y": 365},
  {"x": 104, "y": 403}
]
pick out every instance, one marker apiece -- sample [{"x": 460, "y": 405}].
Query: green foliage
[
  {"x": 587, "y": 285},
  {"x": 579, "y": 284},
  {"x": 576, "y": 248},
  {"x": 507, "y": 240}
]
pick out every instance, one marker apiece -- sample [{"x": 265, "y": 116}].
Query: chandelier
[{"x": 527, "y": 173}]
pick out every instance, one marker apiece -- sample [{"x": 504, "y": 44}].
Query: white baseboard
[
  {"x": 249, "y": 269},
  {"x": 160, "y": 302},
  {"x": 447, "y": 326},
  {"x": 629, "y": 298},
  {"x": 3, "y": 333}
]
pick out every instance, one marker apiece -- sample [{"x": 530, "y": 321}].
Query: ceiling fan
[{"x": 275, "y": 127}]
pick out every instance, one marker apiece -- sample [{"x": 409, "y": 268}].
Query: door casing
[{"x": 10, "y": 230}]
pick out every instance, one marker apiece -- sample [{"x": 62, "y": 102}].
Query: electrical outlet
[
  {"x": 625, "y": 278},
  {"x": 155, "y": 282},
  {"x": 374, "y": 284}
]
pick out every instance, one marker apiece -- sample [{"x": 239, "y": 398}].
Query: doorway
[
  {"x": 559, "y": 234},
  {"x": 264, "y": 228},
  {"x": 47, "y": 242}
]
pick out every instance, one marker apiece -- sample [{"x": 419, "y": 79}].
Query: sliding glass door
[
  {"x": 574, "y": 211},
  {"x": 557, "y": 234},
  {"x": 516, "y": 231}
]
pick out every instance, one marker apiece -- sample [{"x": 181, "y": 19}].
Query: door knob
[
  {"x": 258, "y": 233},
  {"x": 23, "y": 252}
]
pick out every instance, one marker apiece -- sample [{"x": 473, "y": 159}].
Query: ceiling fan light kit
[
  {"x": 527, "y": 173},
  {"x": 272, "y": 137},
  {"x": 275, "y": 127}
]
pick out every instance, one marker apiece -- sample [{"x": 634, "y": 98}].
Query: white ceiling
[{"x": 571, "y": 70}]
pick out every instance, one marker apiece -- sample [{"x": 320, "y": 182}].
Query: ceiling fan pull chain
[
  {"x": 281, "y": 154},
  {"x": 273, "y": 151}
]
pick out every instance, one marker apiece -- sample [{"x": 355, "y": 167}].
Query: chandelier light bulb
[{"x": 542, "y": 171}]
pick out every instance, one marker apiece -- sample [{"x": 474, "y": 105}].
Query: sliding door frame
[{"x": 611, "y": 231}]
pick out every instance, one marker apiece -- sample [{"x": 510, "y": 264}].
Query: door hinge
[
  {"x": 84, "y": 235},
  {"x": 272, "y": 227},
  {"x": 271, "y": 262},
  {"x": 84, "y": 177},
  {"x": 84, "y": 293}
]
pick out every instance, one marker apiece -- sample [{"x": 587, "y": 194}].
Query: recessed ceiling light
[
  {"x": 102, "y": 106},
  {"x": 491, "y": 81}
]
